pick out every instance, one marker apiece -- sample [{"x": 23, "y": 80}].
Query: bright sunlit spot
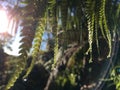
[{"x": 3, "y": 21}]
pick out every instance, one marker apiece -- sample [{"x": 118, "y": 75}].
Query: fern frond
[
  {"x": 101, "y": 14},
  {"x": 37, "y": 42},
  {"x": 54, "y": 14},
  {"x": 108, "y": 35},
  {"x": 90, "y": 34},
  {"x": 90, "y": 24},
  {"x": 104, "y": 26},
  {"x": 55, "y": 52},
  {"x": 51, "y": 18},
  {"x": 51, "y": 11},
  {"x": 96, "y": 34},
  {"x": 20, "y": 67},
  {"x": 56, "y": 38},
  {"x": 28, "y": 31}
]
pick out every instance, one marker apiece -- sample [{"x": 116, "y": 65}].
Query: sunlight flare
[{"x": 3, "y": 21}]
